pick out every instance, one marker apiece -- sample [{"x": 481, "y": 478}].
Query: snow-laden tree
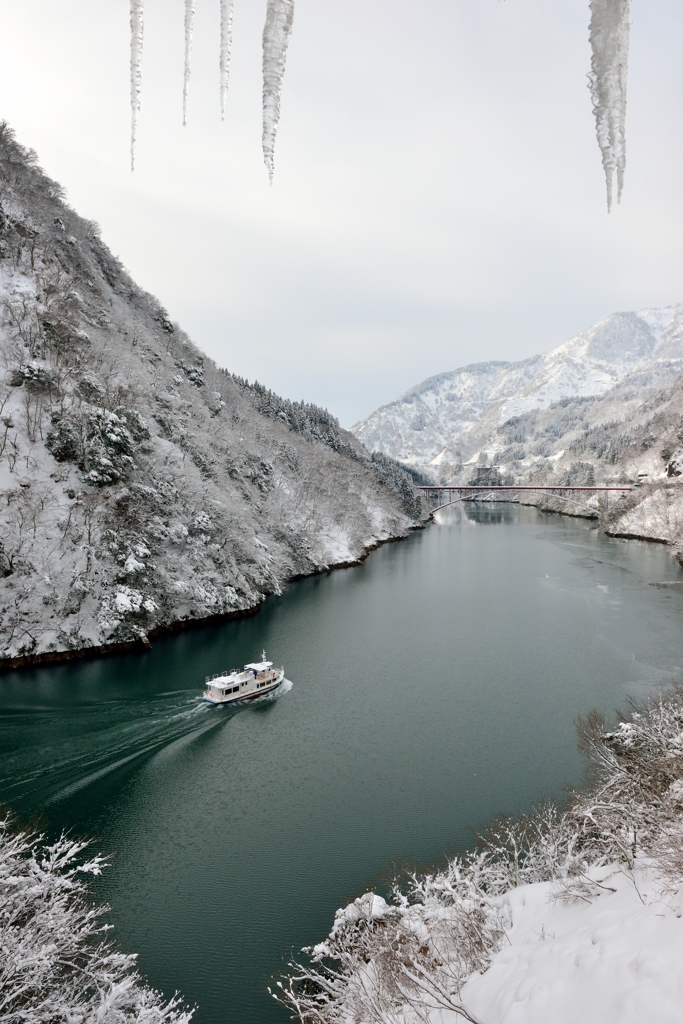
[
  {"x": 609, "y": 38},
  {"x": 56, "y": 962}
]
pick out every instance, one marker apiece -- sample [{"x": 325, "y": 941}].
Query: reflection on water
[{"x": 434, "y": 686}]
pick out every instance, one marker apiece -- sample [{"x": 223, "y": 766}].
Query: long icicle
[
  {"x": 276, "y": 33},
  {"x": 226, "y": 47},
  {"x": 189, "y": 31},
  {"x": 136, "y": 28},
  {"x": 609, "y": 37}
]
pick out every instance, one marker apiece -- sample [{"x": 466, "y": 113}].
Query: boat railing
[{"x": 233, "y": 671}]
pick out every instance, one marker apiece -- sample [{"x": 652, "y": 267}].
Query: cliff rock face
[{"x": 140, "y": 485}]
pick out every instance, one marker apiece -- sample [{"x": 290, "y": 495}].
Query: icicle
[
  {"x": 276, "y": 33},
  {"x": 609, "y": 32},
  {"x": 226, "y": 46},
  {"x": 189, "y": 30},
  {"x": 136, "y": 26}
]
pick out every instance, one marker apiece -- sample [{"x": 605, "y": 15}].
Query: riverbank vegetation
[
  {"x": 410, "y": 959},
  {"x": 57, "y": 963}
]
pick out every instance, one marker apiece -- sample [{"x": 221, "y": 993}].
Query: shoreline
[{"x": 144, "y": 643}]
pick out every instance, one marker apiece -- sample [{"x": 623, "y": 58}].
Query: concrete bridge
[{"x": 484, "y": 490}]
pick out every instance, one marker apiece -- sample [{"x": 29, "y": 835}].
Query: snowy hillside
[
  {"x": 450, "y": 419},
  {"x": 140, "y": 485}
]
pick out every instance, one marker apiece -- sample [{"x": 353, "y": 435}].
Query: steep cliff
[{"x": 142, "y": 487}]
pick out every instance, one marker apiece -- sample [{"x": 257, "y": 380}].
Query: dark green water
[{"x": 434, "y": 686}]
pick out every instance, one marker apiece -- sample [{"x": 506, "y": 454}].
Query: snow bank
[{"x": 614, "y": 960}]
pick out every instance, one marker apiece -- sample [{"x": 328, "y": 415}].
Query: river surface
[{"x": 432, "y": 687}]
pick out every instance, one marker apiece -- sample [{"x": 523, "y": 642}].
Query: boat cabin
[{"x": 226, "y": 687}]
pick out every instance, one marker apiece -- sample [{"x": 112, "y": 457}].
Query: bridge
[{"x": 484, "y": 490}]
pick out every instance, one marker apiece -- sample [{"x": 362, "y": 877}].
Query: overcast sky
[{"x": 438, "y": 194}]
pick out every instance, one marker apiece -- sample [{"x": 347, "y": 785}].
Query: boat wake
[
  {"x": 65, "y": 749},
  {"x": 70, "y": 747},
  {"x": 279, "y": 691}
]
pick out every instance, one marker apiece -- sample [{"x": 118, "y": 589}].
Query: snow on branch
[
  {"x": 609, "y": 37},
  {"x": 276, "y": 33},
  {"x": 56, "y": 963}
]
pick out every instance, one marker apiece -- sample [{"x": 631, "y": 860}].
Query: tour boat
[{"x": 257, "y": 679}]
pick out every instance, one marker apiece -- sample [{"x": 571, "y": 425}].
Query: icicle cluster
[
  {"x": 136, "y": 26},
  {"x": 276, "y": 33},
  {"x": 189, "y": 31},
  {"x": 609, "y": 35},
  {"x": 226, "y": 47}
]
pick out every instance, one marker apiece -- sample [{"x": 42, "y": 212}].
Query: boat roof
[{"x": 260, "y": 666}]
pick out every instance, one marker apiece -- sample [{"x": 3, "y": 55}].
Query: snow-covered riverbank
[
  {"x": 612, "y": 959},
  {"x": 561, "y": 916}
]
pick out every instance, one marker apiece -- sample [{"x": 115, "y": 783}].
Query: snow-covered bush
[
  {"x": 63, "y": 439},
  {"x": 405, "y": 961},
  {"x": 56, "y": 962},
  {"x": 108, "y": 448},
  {"x": 102, "y": 443},
  {"x": 675, "y": 465},
  {"x": 38, "y": 379}
]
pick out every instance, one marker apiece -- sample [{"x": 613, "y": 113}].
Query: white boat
[{"x": 255, "y": 681}]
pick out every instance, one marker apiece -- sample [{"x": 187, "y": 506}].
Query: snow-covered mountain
[
  {"x": 458, "y": 417},
  {"x": 140, "y": 485}
]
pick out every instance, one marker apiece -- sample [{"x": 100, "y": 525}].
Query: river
[{"x": 432, "y": 687}]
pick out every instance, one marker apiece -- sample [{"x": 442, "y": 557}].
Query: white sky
[{"x": 438, "y": 193}]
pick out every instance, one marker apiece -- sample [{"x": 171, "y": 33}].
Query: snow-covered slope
[
  {"x": 140, "y": 485},
  {"x": 614, "y": 959},
  {"x": 447, "y": 419}
]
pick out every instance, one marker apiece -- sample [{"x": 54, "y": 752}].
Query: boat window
[{"x": 235, "y": 689}]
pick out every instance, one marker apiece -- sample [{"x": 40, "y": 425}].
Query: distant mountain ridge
[{"x": 449, "y": 418}]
